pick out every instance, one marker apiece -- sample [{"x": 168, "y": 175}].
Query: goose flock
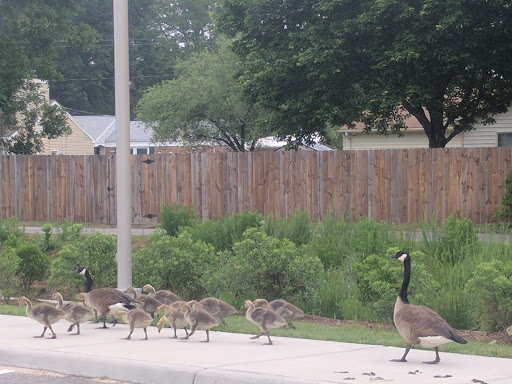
[
  {"x": 416, "y": 324},
  {"x": 139, "y": 311}
]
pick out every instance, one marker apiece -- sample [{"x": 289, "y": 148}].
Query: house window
[
  {"x": 141, "y": 151},
  {"x": 55, "y": 152},
  {"x": 505, "y": 139}
]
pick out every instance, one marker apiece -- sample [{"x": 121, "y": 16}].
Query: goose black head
[
  {"x": 80, "y": 271},
  {"x": 401, "y": 255}
]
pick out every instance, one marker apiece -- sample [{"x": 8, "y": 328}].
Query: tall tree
[
  {"x": 29, "y": 30},
  {"x": 313, "y": 62},
  {"x": 86, "y": 59},
  {"x": 204, "y": 104}
]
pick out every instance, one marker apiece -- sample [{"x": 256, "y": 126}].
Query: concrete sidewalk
[{"x": 230, "y": 358}]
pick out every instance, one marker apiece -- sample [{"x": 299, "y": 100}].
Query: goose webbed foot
[
  {"x": 403, "y": 360},
  {"x": 437, "y": 359}
]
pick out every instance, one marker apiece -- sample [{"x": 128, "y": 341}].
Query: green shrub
[
  {"x": 175, "y": 263},
  {"x": 9, "y": 264},
  {"x": 223, "y": 233},
  {"x": 339, "y": 286},
  {"x": 456, "y": 241},
  {"x": 70, "y": 232},
  {"x": 504, "y": 212},
  {"x": 9, "y": 227},
  {"x": 491, "y": 292},
  {"x": 47, "y": 243},
  {"x": 368, "y": 236},
  {"x": 296, "y": 228},
  {"x": 175, "y": 216},
  {"x": 331, "y": 242},
  {"x": 380, "y": 280},
  {"x": 263, "y": 266},
  {"x": 96, "y": 252},
  {"x": 61, "y": 278},
  {"x": 34, "y": 264}
]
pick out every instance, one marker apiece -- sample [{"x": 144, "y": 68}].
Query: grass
[{"x": 356, "y": 333}]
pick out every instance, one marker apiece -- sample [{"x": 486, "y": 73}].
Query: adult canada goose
[
  {"x": 101, "y": 300},
  {"x": 82, "y": 271},
  {"x": 149, "y": 303},
  {"x": 76, "y": 313},
  {"x": 198, "y": 318},
  {"x": 46, "y": 314},
  {"x": 418, "y": 324},
  {"x": 217, "y": 308},
  {"x": 164, "y": 296},
  {"x": 173, "y": 317},
  {"x": 135, "y": 318},
  {"x": 264, "y": 318},
  {"x": 287, "y": 310}
]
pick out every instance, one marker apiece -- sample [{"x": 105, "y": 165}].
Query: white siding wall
[
  {"x": 416, "y": 139},
  {"x": 481, "y": 136},
  {"x": 487, "y": 135}
]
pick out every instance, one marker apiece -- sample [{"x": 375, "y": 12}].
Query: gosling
[
  {"x": 198, "y": 318},
  {"x": 45, "y": 314},
  {"x": 287, "y": 310},
  {"x": 76, "y": 313},
  {"x": 136, "y": 318},
  {"x": 173, "y": 317},
  {"x": 264, "y": 318}
]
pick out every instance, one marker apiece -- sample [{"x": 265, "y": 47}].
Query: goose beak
[{"x": 394, "y": 256}]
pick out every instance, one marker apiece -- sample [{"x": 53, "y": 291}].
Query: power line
[{"x": 111, "y": 78}]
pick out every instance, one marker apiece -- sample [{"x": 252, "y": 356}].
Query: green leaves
[
  {"x": 204, "y": 104},
  {"x": 335, "y": 62}
]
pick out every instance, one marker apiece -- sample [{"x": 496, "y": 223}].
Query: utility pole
[{"x": 123, "y": 173}]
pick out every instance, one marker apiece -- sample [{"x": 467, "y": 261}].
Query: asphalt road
[{"x": 15, "y": 375}]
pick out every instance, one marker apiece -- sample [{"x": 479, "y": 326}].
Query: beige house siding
[
  {"x": 481, "y": 136},
  {"x": 77, "y": 143},
  {"x": 487, "y": 135},
  {"x": 412, "y": 139}
]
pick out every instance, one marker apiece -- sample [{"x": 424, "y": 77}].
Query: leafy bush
[
  {"x": 175, "y": 263},
  {"x": 9, "y": 264},
  {"x": 296, "y": 228},
  {"x": 491, "y": 292},
  {"x": 96, "y": 252},
  {"x": 368, "y": 236},
  {"x": 380, "y": 280},
  {"x": 223, "y": 233},
  {"x": 456, "y": 242},
  {"x": 70, "y": 232},
  {"x": 504, "y": 212},
  {"x": 263, "y": 266},
  {"x": 34, "y": 264},
  {"x": 47, "y": 243},
  {"x": 61, "y": 278},
  {"x": 175, "y": 216},
  {"x": 9, "y": 227},
  {"x": 331, "y": 242}
]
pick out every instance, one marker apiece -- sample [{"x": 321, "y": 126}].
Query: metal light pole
[{"x": 123, "y": 175}]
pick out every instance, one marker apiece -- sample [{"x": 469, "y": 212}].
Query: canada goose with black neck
[{"x": 418, "y": 324}]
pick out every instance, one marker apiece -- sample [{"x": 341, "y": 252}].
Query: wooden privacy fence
[{"x": 399, "y": 186}]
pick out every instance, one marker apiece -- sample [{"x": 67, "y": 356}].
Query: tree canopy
[
  {"x": 320, "y": 62},
  {"x": 29, "y": 30},
  {"x": 160, "y": 32},
  {"x": 204, "y": 104}
]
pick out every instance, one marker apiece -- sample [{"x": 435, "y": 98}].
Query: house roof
[
  {"x": 139, "y": 133},
  {"x": 103, "y": 131},
  {"x": 98, "y": 127}
]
